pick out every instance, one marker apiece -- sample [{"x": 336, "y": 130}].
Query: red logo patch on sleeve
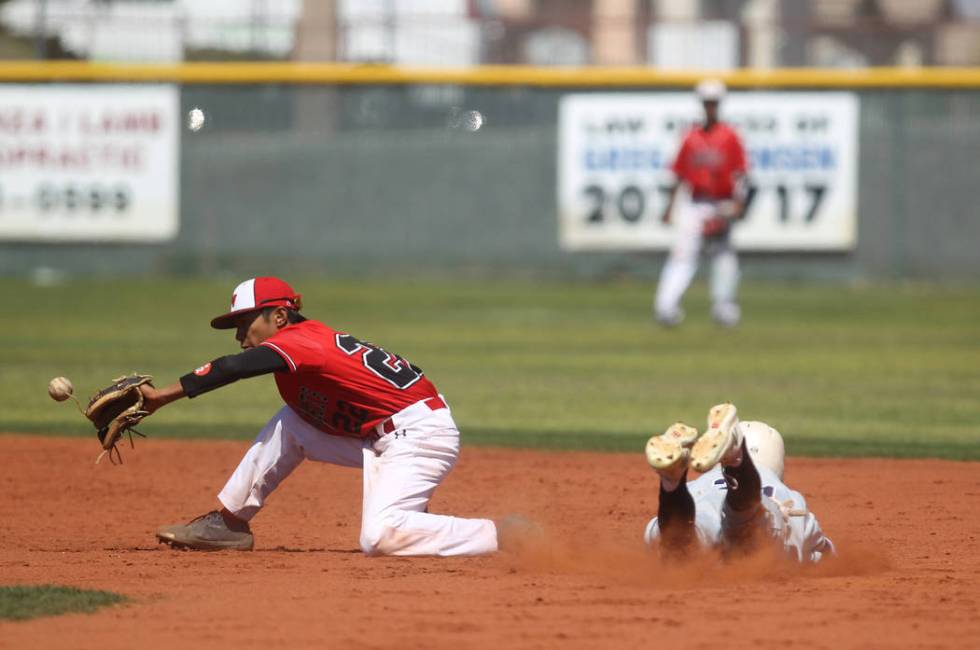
[{"x": 203, "y": 370}]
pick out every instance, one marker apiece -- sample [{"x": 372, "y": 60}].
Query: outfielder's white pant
[
  {"x": 682, "y": 265},
  {"x": 401, "y": 471}
]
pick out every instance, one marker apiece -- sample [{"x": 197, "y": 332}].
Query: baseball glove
[
  {"x": 715, "y": 227},
  {"x": 115, "y": 410}
]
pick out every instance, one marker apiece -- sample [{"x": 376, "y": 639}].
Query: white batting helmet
[
  {"x": 711, "y": 90},
  {"x": 765, "y": 445}
]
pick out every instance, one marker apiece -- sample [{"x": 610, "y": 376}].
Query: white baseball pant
[
  {"x": 401, "y": 471},
  {"x": 682, "y": 265},
  {"x": 787, "y": 519}
]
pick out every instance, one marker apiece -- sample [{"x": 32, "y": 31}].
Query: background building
[{"x": 720, "y": 34}]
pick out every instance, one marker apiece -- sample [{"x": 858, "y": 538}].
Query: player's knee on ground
[{"x": 380, "y": 536}]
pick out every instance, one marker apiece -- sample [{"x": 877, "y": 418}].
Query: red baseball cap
[{"x": 256, "y": 294}]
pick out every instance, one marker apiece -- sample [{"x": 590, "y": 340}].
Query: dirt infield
[{"x": 909, "y": 574}]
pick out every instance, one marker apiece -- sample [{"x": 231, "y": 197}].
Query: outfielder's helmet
[{"x": 765, "y": 444}]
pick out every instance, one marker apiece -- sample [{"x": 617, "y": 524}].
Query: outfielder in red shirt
[
  {"x": 712, "y": 163},
  {"x": 348, "y": 403}
]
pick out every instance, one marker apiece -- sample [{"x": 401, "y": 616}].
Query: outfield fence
[{"x": 372, "y": 170}]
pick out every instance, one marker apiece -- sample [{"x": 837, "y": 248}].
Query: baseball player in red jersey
[
  {"x": 348, "y": 403},
  {"x": 712, "y": 163}
]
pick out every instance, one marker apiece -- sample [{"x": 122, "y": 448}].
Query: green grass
[
  {"x": 29, "y": 601},
  {"x": 885, "y": 371}
]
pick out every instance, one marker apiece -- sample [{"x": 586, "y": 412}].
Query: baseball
[
  {"x": 195, "y": 119},
  {"x": 471, "y": 120},
  {"x": 464, "y": 120},
  {"x": 60, "y": 389}
]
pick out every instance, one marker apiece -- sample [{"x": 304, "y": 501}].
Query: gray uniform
[{"x": 787, "y": 517}]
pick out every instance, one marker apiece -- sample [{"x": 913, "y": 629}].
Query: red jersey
[
  {"x": 709, "y": 160},
  {"x": 341, "y": 385}
]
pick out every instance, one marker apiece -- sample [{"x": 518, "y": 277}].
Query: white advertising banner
[
  {"x": 89, "y": 162},
  {"x": 615, "y": 153}
]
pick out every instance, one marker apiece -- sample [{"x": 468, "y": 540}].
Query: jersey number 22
[{"x": 392, "y": 368}]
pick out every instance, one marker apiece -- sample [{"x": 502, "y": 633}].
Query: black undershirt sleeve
[{"x": 225, "y": 370}]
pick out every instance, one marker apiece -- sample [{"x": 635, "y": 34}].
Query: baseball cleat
[
  {"x": 722, "y": 442},
  {"x": 669, "y": 452},
  {"x": 208, "y": 532},
  {"x": 727, "y": 314},
  {"x": 670, "y": 319}
]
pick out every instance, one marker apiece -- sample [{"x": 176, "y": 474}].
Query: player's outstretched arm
[
  {"x": 220, "y": 372},
  {"x": 155, "y": 398}
]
